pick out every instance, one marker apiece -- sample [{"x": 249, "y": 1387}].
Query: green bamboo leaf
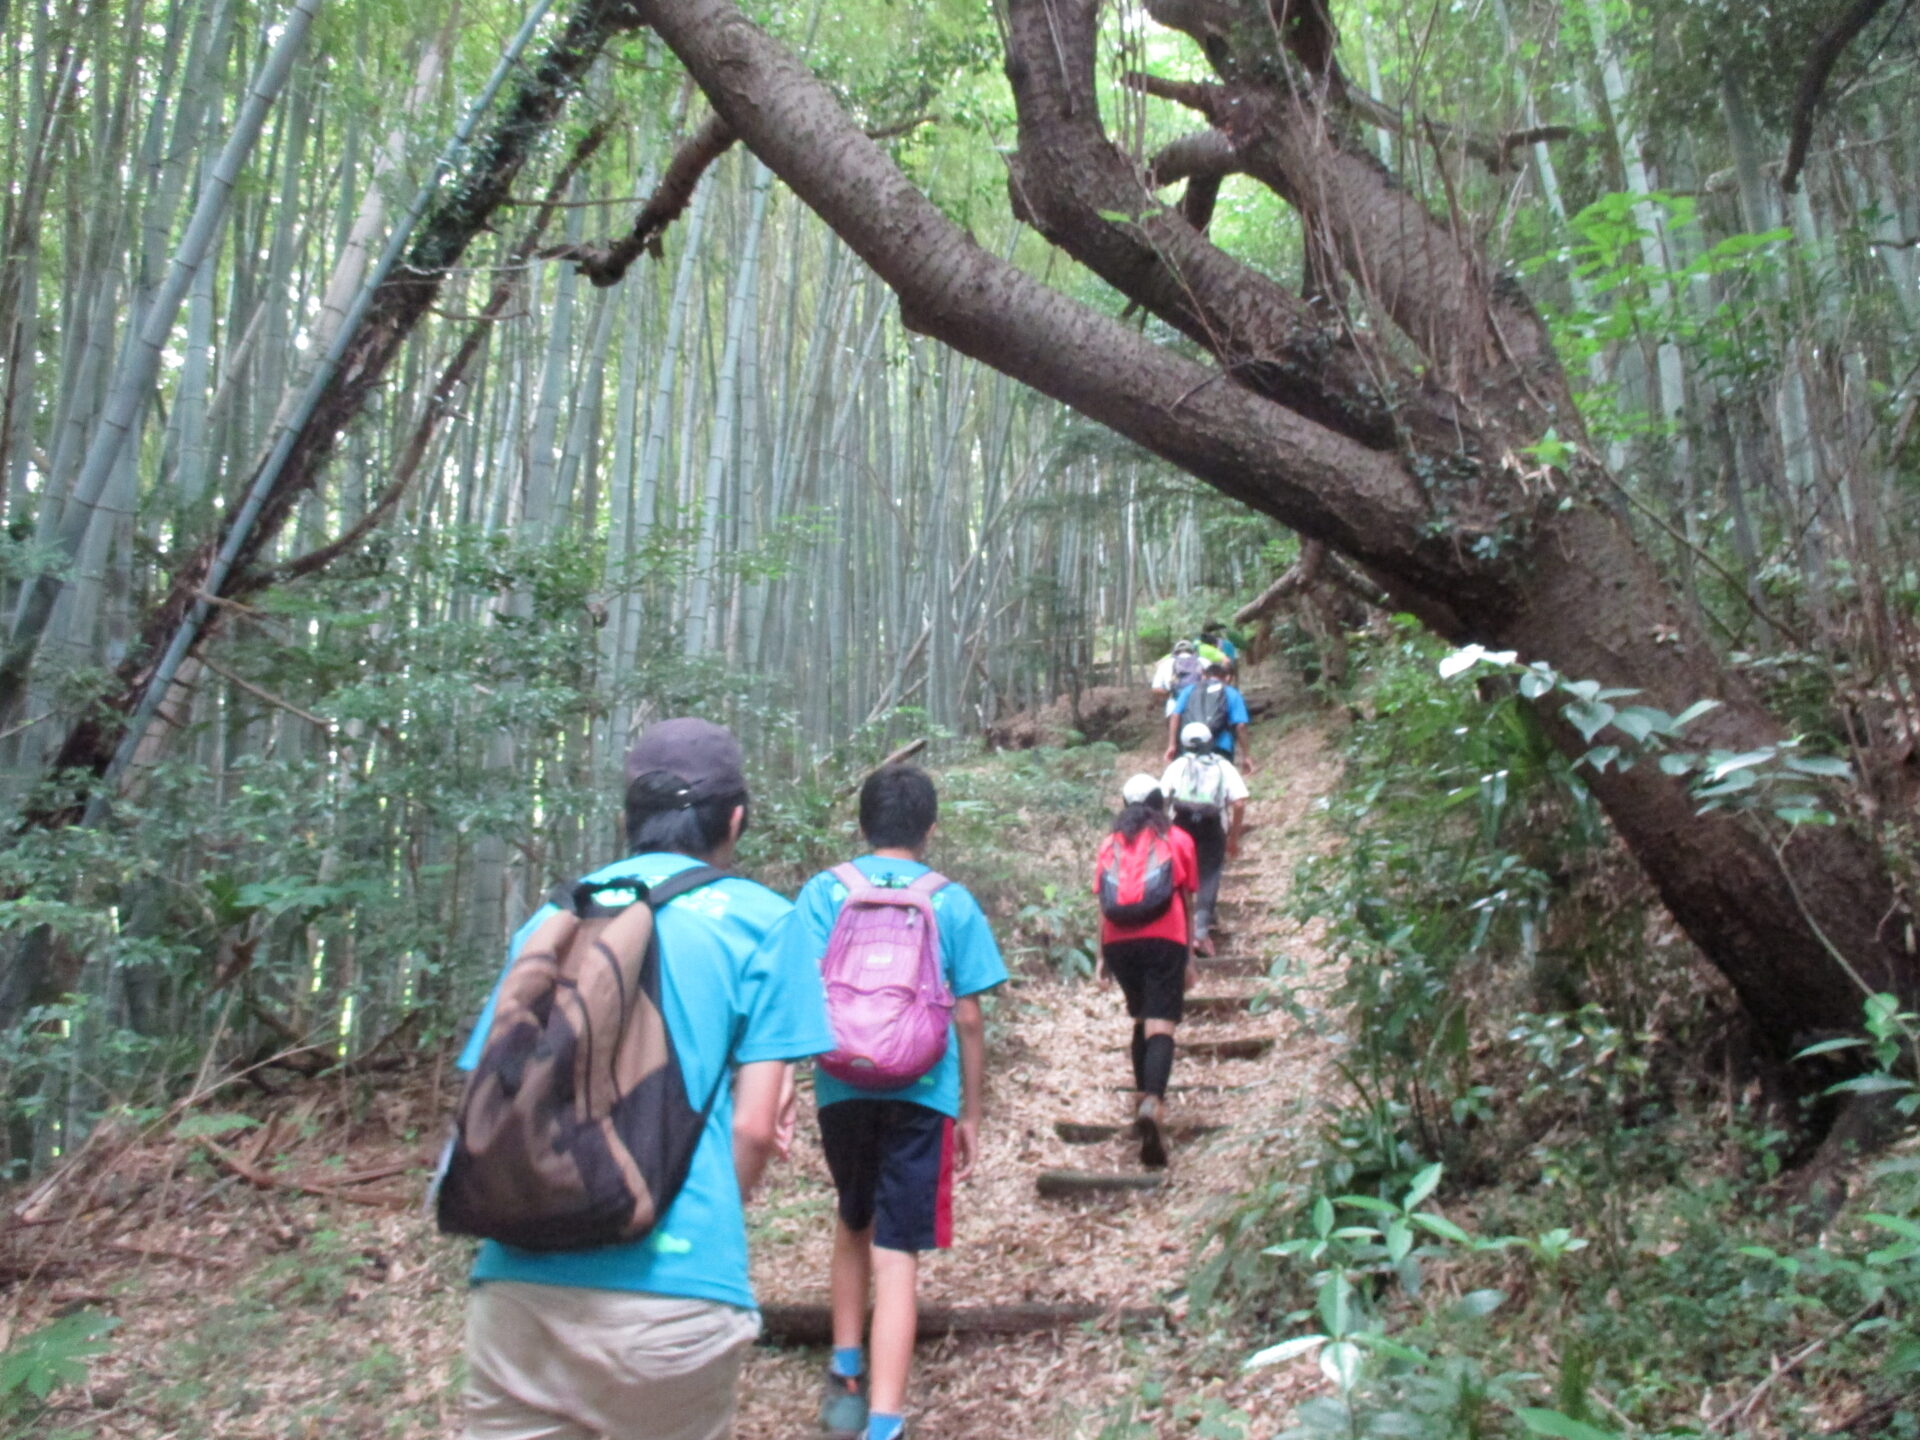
[
  {"x": 1424, "y": 1184},
  {"x": 1443, "y": 1227}
]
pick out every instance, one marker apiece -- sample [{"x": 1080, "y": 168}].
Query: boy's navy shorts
[{"x": 892, "y": 1162}]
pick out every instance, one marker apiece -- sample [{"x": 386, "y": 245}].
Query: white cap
[
  {"x": 1196, "y": 733},
  {"x": 1139, "y": 788}
]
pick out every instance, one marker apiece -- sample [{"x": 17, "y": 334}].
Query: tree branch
[
  {"x": 1316, "y": 565},
  {"x": 1203, "y": 155},
  {"x": 1813, "y": 84},
  {"x": 608, "y": 264},
  {"x": 1201, "y": 95},
  {"x": 1315, "y": 480},
  {"x": 1295, "y": 578},
  {"x": 1076, "y": 187},
  {"x": 1494, "y": 152},
  {"x": 456, "y": 217},
  {"x": 440, "y": 399},
  {"x": 1203, "y": 160}
]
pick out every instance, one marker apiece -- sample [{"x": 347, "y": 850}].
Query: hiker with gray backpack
[
  {"x": 1216, "y": 703},
  {"x": 630, "y": 1079},
  {"x": 1176, "y": 670},
  {"x": 905, "y": 955},
  {"x": 1209, "y": 800}
]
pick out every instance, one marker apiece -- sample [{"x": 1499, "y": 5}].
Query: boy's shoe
[
  {"x": 1146, "y": 1129},
  {"x": 843, "y": 1407}
]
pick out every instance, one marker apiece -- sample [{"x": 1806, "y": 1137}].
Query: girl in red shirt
[{"x": 1152, "y": 960}]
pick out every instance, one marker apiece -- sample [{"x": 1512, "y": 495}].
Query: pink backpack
[{"x": 886, "y": 996}]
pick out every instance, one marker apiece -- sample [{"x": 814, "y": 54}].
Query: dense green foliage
[
  {"x": 1552, "y": 1194},
  {"x": 736, "y": 484}
]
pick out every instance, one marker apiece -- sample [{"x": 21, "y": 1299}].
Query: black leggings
[{"x": 1210, "y": 849}]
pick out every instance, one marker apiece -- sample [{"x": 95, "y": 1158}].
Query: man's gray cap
[{"x": 701, "y": 753}]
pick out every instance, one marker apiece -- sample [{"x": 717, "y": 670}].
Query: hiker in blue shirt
[
  {"x": 584, "y": 1342},
  {"x": 894, "y": 1154},
  {"x": 1218, "y": 705}
]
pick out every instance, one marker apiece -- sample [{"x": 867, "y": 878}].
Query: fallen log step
[
  {"x": 1079, "y": 1132},
  {"x": 812, "y": 1324},
  {"x": 1231, "y": 965},
  {"x": 1067, "y": 1184},
  {"x": 1243, "y": 1047},
  {"x": 1208, "y": 1007}
]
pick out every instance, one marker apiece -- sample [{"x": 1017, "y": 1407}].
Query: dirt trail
[
  {"x": 1058, "y": 1053},
  {"x": 279, "y": 1280}
]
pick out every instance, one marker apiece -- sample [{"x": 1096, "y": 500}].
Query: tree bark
[{"x": 1482, "y": 544}]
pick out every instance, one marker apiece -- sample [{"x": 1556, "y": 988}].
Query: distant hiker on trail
[
  {"x": 1215, "y": 636},
  {"x": 901, "y": 1096},
  {"x": 623, "y": 1306},
  {"x": 1144, "y": 879},
  {"x": 1176, "y": 670},
  {"x": 1210, "y": 805},
  {"x": 1215, "y": 703}
]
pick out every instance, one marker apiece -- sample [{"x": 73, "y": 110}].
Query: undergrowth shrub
[{"x": 1515, "y": 1013}]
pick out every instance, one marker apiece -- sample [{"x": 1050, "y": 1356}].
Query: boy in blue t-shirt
[
  {"x": 1231, "y": 738},
  {"x": 895, "y": 1154},
  {"x": 582, "y": 1342}
]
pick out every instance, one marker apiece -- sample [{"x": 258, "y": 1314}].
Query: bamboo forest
[{"x": 1371, "y": 546}]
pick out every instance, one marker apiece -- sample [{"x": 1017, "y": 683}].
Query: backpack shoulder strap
[
  {"x": 929, "y": 882},
  {"x": 581, "y": 898},
  {"x": 850, "y": 876},
  {"x": 676, "y": 885}
]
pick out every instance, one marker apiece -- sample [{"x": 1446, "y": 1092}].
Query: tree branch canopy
[
  {"x": 1436, "y": 507},
  {"x": 1315, "y": 480},
  {"x": 606, "y": 265},
  {"x": 1813, "y": 83}
]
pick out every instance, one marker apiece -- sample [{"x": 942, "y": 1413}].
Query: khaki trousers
[{"x": 558, "y": 1362}]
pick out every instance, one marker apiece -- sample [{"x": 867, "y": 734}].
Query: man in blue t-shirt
[
  {"x": 895, "y": 1154},
  {"x": 647, "y": 1338},
  {"x": 1220, "y": 706}
]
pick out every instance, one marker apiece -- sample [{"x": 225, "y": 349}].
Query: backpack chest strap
[{"x": 858, "y": 886}]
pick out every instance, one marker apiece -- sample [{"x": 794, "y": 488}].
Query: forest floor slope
[{"x": 274, "y": 1276}]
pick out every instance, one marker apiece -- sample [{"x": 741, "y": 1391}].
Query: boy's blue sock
[
  {"x": 885, "y": 1427},
  {"x": 849, "y": 1360}
]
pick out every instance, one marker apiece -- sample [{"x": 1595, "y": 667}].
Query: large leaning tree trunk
[{"x": 1420, "y": 475}]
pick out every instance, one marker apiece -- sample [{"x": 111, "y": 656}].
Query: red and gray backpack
[
  {"x": 1135, "y": 877},
  {"x": 887, "y": 997}
]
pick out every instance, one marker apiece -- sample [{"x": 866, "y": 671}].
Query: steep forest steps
[
  {"x": 1060, "y": 1215},
  {"x": 223, "y": 1242},
  {"x": 1076, "y": 1132}
]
